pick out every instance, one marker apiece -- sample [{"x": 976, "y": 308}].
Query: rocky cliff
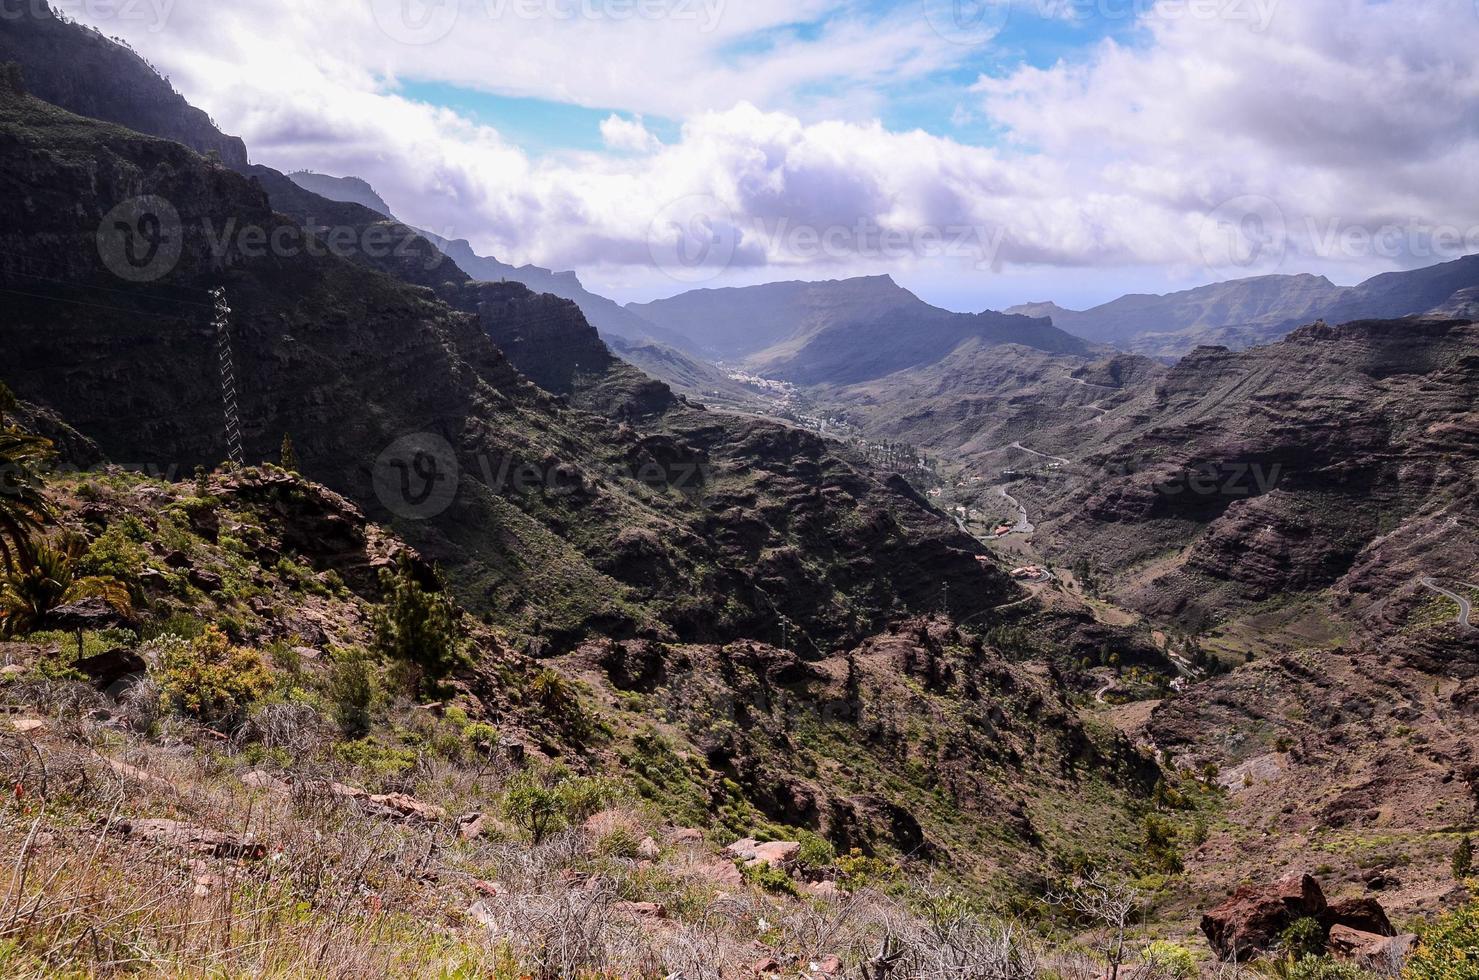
[{"x": 78, "y": 69}]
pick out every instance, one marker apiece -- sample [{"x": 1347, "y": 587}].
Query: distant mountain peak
[{"x": 352, "y": 190}]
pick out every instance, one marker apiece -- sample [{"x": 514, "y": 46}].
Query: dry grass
[{"x": 342, "y": 891}]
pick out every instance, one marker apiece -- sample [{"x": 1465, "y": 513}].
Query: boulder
[
  {"x": 1251, "y": 920},
  {"x": 192, "y": 837},
  {"x": 28, "y": 726},
  {"x": 110, "y": 667},
  {"x": 262, "y": 779},
  {"x": 778, "y": 853},
  {"x": 1370, "y": 951},
  {"x": 686, "y": 835},
  {"x": 1360, "y": 914},
  {"x": 409, "y": 807},
  {"x": 204, "y": 581}
]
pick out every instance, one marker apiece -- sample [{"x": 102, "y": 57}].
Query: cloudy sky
[{"x": 985, "y": 152}]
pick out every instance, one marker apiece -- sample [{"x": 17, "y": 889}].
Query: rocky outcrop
[
  {"x": 78, "y": 69},
  {"x": 1254, "y": 917},
  {"x": 1371, "y": 951},
  {"x": 1251, "y": 920}
]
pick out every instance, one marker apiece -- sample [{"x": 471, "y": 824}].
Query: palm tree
[
  {"x": 51, "y": 580},
  {"x": 24, "y": 508}
]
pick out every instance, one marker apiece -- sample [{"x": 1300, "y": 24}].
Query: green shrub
[
  {"x": 1447, "y": 949},
  {"x": 863, "y": 871},
  {"x": 1171, "y": 960},
  {"x": 1463, "y": 858},
  {"x": 372, "y": 757},
  {"x": 769, "y": 878},
  {"x": 352, "y": 689},
  {"x": 545, "y": 801},
  {"x": 1158, "y": 845},
  {"x": 1312, "y": 967},
  {"x": 1303, "y": 938},
  {"x": 116, "y": 552},
  {"x": 816, "y": 851},
  {"x": 210, "y": 678},
  {"x": 481, "y": 734}
]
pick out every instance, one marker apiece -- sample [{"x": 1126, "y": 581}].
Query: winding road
[
  {"x": 1056, "y": 459},
  {"x": 1023, "y": 525},
  {"x": 1465, "y": 607}
]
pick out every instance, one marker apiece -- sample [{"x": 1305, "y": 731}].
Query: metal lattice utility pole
[{"x": 228, "y": 377}]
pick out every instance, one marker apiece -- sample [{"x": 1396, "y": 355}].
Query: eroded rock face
[{"x": 1250, "y": 921}]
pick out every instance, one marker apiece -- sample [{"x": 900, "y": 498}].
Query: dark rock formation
[
  {"x": 1251, "y": 920},
  {"x": 80, "y": 70}
]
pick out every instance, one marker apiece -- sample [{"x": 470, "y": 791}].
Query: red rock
[
  {"x": 29, "y": 726},
  {"x": 821, "y": 889},
  {"x": 1369, "y": 950},
  {"x": 828, "y": 966},
  {"x": 777, "y": 853},
  {"x": 490, "y": 888},
  {"x": 201, "y": 840},
  {"x": 410, "y": 807},
  {"x": 1360, "y": 914},
  {"x": 767, "y": 966},
  {"x": 1251, "y": 920},
  {"x": 722, "y": 873},
  {"x": 471, "y": 826}
]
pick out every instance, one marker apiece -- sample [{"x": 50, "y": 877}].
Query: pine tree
[
  {"x": 415, "y": 625},
  {"x": 289, "y": 458}
]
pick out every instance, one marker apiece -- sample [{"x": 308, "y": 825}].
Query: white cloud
[
  {"x": 627, "y": 135},
  {"x": 1360, "y": 112}
]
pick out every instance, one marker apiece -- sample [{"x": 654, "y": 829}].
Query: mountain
[
  {"x": 63, "y": 63},
  {"x": 350, "y": 190},
  {"x": 620, "y": 559},
  {"x": 836, "y": 332},
  {"x": 1340, "y": 458},
  {"x": 659, "y": 529},
  {"x": 1244, "y": 313},
  {"x": 604, "y": 314},
  {"x": 1236, "y": 314}
]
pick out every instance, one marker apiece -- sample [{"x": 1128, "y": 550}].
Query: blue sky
[{"x": 937, "y": 103}]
